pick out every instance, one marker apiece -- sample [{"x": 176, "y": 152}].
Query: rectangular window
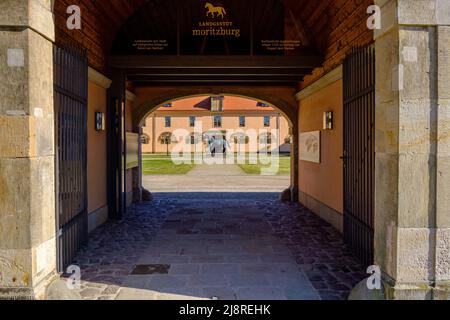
[
  {"x": 192, "y": 121},
  {"x": 217, "y": 121},
  {"x": 217, "y": 104},
  {"x": 168, "y": 122},
  {"x": 241, "y": 121},
  {"x": 266, "y": 121}
]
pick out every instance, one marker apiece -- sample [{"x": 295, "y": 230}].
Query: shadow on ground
[{"x": 217, "y": 245}]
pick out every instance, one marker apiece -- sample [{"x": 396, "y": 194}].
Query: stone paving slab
[
  {"x": 246, "y": 248},
  {"x": 215, "y": 265},
  {"x": 216, "y": 170},
  {"x": 215, "y": 178}
]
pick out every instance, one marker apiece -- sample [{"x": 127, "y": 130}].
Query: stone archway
[
  {"x": 412, "y": 229},
  {"x": 282, "y": 99}
]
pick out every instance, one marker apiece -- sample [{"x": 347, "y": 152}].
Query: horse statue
[{"x": 212, "y": 10}]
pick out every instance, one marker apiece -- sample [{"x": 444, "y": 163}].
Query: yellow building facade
[{"x": 248, "y": 126}]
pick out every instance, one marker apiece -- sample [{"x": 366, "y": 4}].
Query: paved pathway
[
  {"x": 247, "y": 246},
  {"x": 218, "y": 249},
  {"x": 216, "y": 170},
  {"x": 216, "y": 178},
  {"x": 224, "y": 239}
]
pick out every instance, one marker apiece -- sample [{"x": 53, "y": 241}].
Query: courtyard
[
  {"x": 162, "y": 164},
  {"x": 161, "y": 175}
]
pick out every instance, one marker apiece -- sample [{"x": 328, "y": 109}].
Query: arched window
[
  {"x": 240, "y": 138},
  {"x": 145, "y": 138},
  {"x": 265, "y": 138},
  {"x": 167, "y": 138},
  {"x": 194, "y": 138}
]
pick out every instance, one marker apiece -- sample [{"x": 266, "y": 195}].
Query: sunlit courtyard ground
[
  {"x": 162, "y": 164},
  {"x": 202, "y": 173}
]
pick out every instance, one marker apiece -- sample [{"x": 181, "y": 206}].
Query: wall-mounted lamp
[
  {"x": 328, "y": 120},
  {"x": 99, "y": 121}
]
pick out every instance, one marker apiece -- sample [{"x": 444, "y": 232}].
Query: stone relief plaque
[{"x": 310, "y": 146}]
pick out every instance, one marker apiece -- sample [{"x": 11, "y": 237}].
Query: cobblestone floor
[
  {"x": 318, "y": 249},
  {"x": 114, "y": 248},
  {"x": 283, "y": 235}
]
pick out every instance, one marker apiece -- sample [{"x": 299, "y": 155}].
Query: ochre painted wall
[
  {"x": 324, "y": 181},
  {"x": 96, "y": 166}
]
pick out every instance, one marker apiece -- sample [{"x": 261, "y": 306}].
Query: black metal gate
[
  {"x": 70, "y": 96},
  {"x": 359, "y": 151}
]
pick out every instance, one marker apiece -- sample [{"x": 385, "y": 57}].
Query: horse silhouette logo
[{"x": 213, "y": 10}]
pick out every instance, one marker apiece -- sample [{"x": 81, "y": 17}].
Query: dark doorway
[
  {"x": 70, "y": 89},
  {"x": 359, "y": 152}
]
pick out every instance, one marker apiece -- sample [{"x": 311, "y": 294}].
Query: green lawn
[
  {"x": 162, "y": 164},
  {"x": 153, "y": 164},
  {"x": 284, "y": 166}
]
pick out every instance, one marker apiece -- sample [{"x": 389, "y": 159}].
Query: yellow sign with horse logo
[
  {"x": 223, "y": 28},
  {"x": 212, "y": 10}
]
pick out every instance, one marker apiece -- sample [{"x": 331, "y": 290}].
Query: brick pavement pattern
[{"x": 217, "y": 245}]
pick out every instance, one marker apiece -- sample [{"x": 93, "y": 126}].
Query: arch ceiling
[{"x": 331, "y": 26}]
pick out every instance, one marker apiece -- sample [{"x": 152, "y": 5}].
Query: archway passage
[
  {"x": 287, "y": 46},
  {"x": 280, "y": 99},
  {"x": 235, "y": 226},
  {"x": 163, "y": 78},
  {"x": 199, "y": 52},
  {"x": 155, "y": 62},
  {"x": 216, "y": 145}
]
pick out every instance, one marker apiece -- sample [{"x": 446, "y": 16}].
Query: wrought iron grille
[
  {"x": 359, "y": 151},
  {"x": 70, "y": 96}
]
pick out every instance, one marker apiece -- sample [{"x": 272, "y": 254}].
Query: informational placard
[
  {"x": 132, "y": 150},
  {"x": 150, "y": 45},
  {"x": 280, "y": 45}
]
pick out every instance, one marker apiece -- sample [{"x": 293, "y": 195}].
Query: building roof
[{"x": 203, "y": 103}]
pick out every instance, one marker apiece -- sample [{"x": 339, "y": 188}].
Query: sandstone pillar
[
  {"x": 27, "y": 188},
  {"x": 412, "y": 215}
]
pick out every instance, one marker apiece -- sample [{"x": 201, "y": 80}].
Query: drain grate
[{"x": 142, "y": 269}]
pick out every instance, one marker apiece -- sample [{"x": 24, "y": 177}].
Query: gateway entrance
[{"x": 71, "y": 79}]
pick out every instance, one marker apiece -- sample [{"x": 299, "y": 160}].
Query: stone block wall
[
  {"x": 27, "y": 188},
  {"x": 412, "y": 144}
]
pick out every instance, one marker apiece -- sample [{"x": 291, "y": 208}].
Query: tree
[
  {"x": 240, "y": 138},
  {"x": 265, "y": 139},
  {"x": 166, "y": 138}
]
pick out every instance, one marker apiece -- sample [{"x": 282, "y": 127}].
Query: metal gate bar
[
  {"x": 70, "y": 96},
  {"x": 359, "y": 151}
]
